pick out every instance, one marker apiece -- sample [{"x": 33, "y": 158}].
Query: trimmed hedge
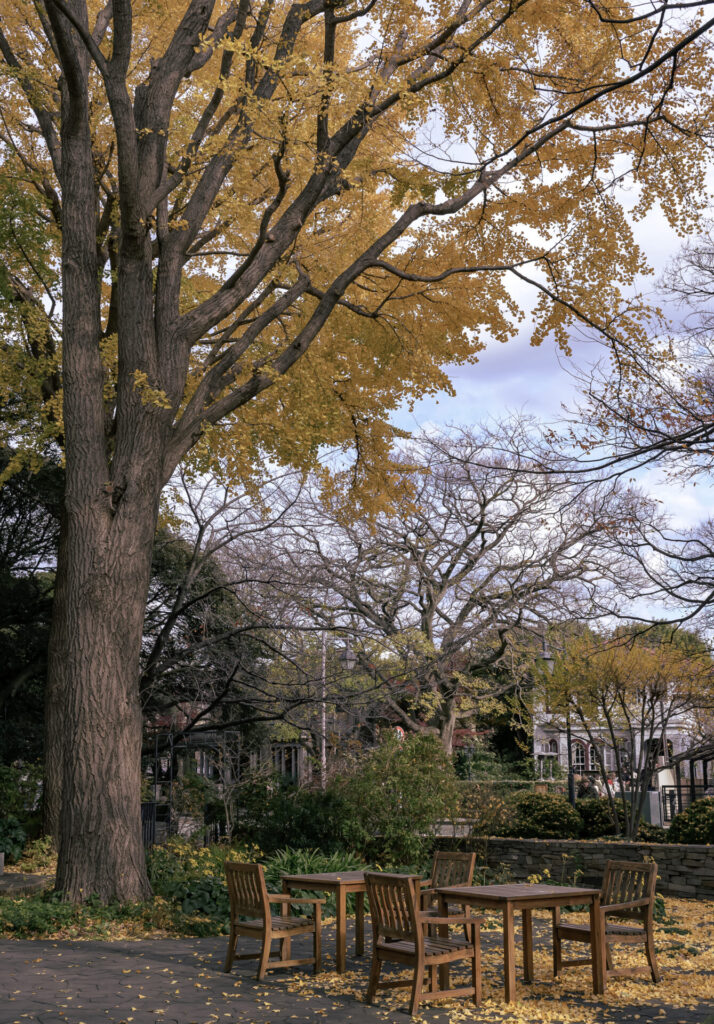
[{"x": 545, "y": 816}]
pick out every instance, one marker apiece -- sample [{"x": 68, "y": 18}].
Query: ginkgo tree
[
  {"x": 263, "y": 226},
  {"x": 629, "y": 695}
]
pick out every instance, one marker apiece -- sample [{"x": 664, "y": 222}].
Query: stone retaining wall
[{"x": 683, "y": 870}]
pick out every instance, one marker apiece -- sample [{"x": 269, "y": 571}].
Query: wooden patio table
[
  {"x": 527, "y": 898},
  {"x": 341, "y": 883}
]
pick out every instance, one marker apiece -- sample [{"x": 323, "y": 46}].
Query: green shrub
[
  {"x": 12, "y": 837},
  {"x": 206, "y": 897},
  {"x": 20, "y": 794},
  {"x": 695, "y": 824},
  {"x": 396, "y": 795},
  {"x": 310, "y": 862},
  {"x": 275, "y": 813},
  {"x": 648, "y": 833},
  {"x": 178, "y": 865},
  {"x": 545, "y": 816},
  {"x": 596, "y": 816},
  {"x": 488, "y": 805}
]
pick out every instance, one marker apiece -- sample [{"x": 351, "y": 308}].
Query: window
[
  {"x": 285, "y": 759},
  {"x": 580, "y": 757}
]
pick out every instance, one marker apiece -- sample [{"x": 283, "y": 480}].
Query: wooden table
[
  {"x": 339, "y": 882},
  {"x": 527, "y": 898}
]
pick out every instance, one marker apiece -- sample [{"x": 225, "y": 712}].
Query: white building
[{"x": 673, "y": 788}]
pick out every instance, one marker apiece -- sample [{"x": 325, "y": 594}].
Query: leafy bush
[
  {"x": 596, "y": 817},
  {"x": 695, "y": 824},
  {"x": 276, "y": 813},
  {"x": 545, "y": 816},
  {"x": 177, "y": 866},
  {"x": 47, "y": 915},
  {"x": 648, "y": 833},
  {"x": 12, "y": 837},
  {"x": 396, "y": 796},
  {"x": 385, "y": 807},
  {"x": 20, "y": 794},
  {"x": 206, "y": 897},
  {"x": 192, "y": 878},
  {"x": 488, "y": 806},
  {"x": 310, "y": 862}
]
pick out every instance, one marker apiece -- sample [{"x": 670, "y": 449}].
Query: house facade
[{"x": 673, "y": 786}]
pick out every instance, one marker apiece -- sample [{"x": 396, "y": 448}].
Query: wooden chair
[
  {"x": 447, "y": 869},
  {"x": 628, "y": 893},
  {"x": 399, "y": 936},
  {"x": 250, "y": 899}
]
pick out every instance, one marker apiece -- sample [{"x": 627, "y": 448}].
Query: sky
[{"x": 518, "y": 378}]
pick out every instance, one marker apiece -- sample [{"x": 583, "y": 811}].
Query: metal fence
[{"x": 676, "y": 798}]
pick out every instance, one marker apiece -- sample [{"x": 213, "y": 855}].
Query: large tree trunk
[
  {"x": 105, "y": 573},
  {"x": 113, "y": 482}
]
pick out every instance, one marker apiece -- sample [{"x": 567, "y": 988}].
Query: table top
[
  {"x": 334, "y": 878},
  {"x": 518, "y": 891},
  {"x": 327, "y": 878}
]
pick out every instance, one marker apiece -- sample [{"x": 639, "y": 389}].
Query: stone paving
[{"x": 181, "y": 981}]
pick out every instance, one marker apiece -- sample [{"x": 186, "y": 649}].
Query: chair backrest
[
  {"x": 247, "y": 890},
  {"x": 626, "y": 881},
  {"x": 452, "y": 869},
  {"x": 392, "y": 906}
]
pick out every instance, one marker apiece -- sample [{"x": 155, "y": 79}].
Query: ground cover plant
[{"x": 190, "y": 895}]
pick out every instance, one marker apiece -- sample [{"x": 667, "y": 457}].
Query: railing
[
  {"x": 148, "y": 824},
  {"x": 676, "y": 798}
]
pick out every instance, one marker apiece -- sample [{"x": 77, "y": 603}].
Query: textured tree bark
[
  {"x": 105, "y": 571},
  {"x": 113, "y": 482}
]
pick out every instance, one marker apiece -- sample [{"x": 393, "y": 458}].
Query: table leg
[
  {"x": 341, "y": 926},
  {"x": 528, "y": 945},
  {"x": 597, "y": 943},
  {"x": 359, "y": 923},
  {"x": 509, "y": 953}
]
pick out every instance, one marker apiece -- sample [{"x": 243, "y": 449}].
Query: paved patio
[{"x": 181, "y": 981}]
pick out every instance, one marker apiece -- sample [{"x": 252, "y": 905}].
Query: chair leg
[
  {"x": 416, "y": 986},
  {"x": 651, "y": 957},
  {"x": 476, "y": 965},
  {"x": 608, "y": 956},
  {"x": 230, "y": 952},
  {"x": 433, "y": 979},
  {"x": 375, "y": 971},
  {"x": 264, "y": 957}
]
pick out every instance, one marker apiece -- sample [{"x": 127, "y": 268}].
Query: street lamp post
[
  {"x": 348, "y": 660},
  {"x": 548, "y": 663},
  {"x": 571, "y": 777}
]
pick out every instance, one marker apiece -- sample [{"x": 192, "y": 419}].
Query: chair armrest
[
  {"x": 284, "y": 898},
  {"x": 645, "y": 902},
  {"x": 425, "y": 882}
]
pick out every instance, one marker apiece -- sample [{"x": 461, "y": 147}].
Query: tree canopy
[
  {"x": 352, "y": 188},
  {"x": 264, "y": 226}
]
